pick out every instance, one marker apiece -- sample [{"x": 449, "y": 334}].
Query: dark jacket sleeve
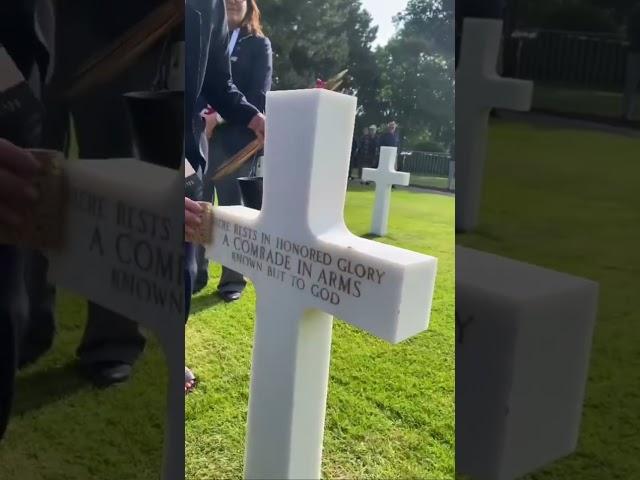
[
  {"x": 218, "y": 89},
  {"x": 261, "y": 77}
]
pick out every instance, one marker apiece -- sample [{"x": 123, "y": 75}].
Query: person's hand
[
  {"x": 17, "y": 191},
  {"x": 257, "y": 124},
  {"x": 192, "y": 217},
  {"x": 211, "y": 122}
]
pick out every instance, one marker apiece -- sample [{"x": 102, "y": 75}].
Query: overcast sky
[{"x": 383, "y": 12}]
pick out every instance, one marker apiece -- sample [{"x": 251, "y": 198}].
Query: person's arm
[
  {"x": 261, "y": 74},
  {"x": 17, "y": 192},
  {"x": 192, "y": 217}
]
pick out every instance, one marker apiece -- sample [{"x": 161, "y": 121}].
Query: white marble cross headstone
[
  {"x": 123, "y": 249},
  {"x": 478, "y": 90},
  {"x": 307, "y": 267},
  {"x": 385, "y": 176}
]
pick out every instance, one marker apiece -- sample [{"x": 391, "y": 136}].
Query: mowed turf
[
  {"x": 568, "y": 200},
  {"x": 62, "y": 429},
  {"x": 390, "y": 410}
]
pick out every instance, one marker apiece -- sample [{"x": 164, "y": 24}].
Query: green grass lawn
[
  {"x": 63, "y": 429},
  {"x": 390, "y": 410},
  {"x": 569, "y": 201},
  {"x": 578, "y": 101},
  {"x": 424, "y": 181}
]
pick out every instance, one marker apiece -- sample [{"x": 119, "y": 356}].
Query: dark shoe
[
  {"x": 230, "y": 296},
  {"x": 201, "y": 281},
  {"x": 106, "y": 374}
]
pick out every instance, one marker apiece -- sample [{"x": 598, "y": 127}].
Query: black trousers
[
  {"x": 7, "y": 369},
  {"x": 226, "y": 141},
  {"x": 9, "y": 277}
]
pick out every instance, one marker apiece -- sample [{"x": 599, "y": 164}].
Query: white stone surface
[
  {"x": 479, "y": 88},
  {"x": 123, "y": 246},
  {"x": 385, "y": 176},
  {"x": 260, "y": 167},
  {"x": 307, "y": 267},
  {"x": 522, "y": 359},
  {"x": 124, "y": 251}
]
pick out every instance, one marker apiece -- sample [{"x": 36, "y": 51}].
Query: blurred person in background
[
  {"x": 391, "y": 137},
  {"x": 367, "y": 150}
]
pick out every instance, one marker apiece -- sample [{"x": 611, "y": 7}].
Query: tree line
[{"x": 410, "y": 80}]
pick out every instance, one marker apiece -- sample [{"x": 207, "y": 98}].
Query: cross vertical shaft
[
  {"x": 385, "y": 176},
  {"x": 478, "y": 90},
  {"x": 315, "y": 194},
  {"x": 293, "y": 342},
  {"x": 307, "y": 267},
  {"x": 289, "y": 378}
]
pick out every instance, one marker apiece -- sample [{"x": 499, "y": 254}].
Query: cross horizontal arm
[
  {"x": 380, "y": 288},
  {"x": 234, "y": 228},
  {"x": 394, "y": 286},
  {"x": 389, "y": 178},
  {"x": 508, "y": 93}
]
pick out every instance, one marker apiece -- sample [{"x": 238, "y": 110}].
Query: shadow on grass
[
  {"x": 381, "y": 238},
  {"x": 204, "y": 302},
  {"x": 371, "y": 236},
  {"x": 43, "y": 387}
]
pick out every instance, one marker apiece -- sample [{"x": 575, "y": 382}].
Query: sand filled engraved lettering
[
  {"x": 299, "y": 266},
  {"x": 138, "y": 243}
]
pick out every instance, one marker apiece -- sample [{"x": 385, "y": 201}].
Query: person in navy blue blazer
[
  {"x": 208, "y": 81},
  {"x": 251, "y": 69},
  {"x": 208, "y": 77}
]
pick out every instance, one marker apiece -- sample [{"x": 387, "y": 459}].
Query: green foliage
[
  {"x": 418, "y": 72},
  {"x": 601, "y": 16},
  {"x": 409, "y": 81},
  {"x": 433, "y": 21},
  {"x": 315, "y": 39},
  {"x": 428, "y": 146},
  {"x": 580, "y": 18}
]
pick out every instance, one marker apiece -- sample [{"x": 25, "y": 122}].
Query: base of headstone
[{"x": 522, "y": 358}]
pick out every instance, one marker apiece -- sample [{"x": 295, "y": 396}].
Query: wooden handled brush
[{"x": 127, "y": 49}]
